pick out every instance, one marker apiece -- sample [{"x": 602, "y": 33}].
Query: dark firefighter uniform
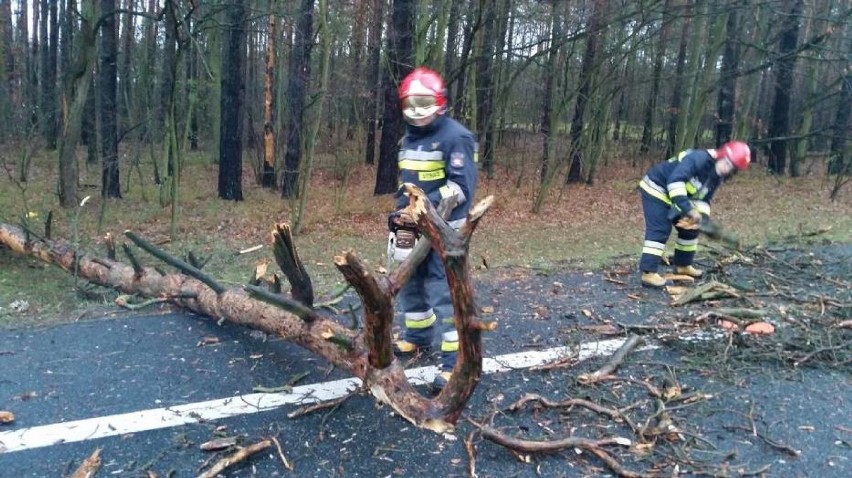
[
  {"x": 670, "y": 190},
  {"x": 439, "y": 158}
]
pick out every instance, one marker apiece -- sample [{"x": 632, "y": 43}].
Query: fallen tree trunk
[{"x": 367, "y": 353}]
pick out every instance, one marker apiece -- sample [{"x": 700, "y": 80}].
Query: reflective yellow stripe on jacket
[
  {"x": 654, "y": 190},
  {"x": 415, "y": 165}
]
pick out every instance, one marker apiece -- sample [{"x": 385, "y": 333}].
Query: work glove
[{"x": 690, "y": 220}]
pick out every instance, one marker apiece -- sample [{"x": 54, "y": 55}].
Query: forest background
[{"x": 199, "y": 124}]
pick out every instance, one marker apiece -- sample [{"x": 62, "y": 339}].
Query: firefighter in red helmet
[
  {"x": 678, "y": 193},
  {"x": 438, "y": 155}
]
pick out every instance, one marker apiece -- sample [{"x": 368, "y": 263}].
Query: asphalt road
[{"x": 130, "y": 363}]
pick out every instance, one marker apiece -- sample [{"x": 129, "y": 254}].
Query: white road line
[{"x": 154, "y": 419}]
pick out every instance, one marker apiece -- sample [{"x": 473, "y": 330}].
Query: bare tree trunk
[
  {"x": 251, "y": 84},
  {"x": 232, "y": 105},
  {"x": 40, "y": 47},
  {"x": 300, "y": 75},
  {"x": 485, "y": 87},
  {"x": 575, "y": 171},
  {"x": 268, "y": 178},
  {"x": 399, "y": 54},
  {"x": 128, "y": 31},
  {"x": 677, "y": 90},
  {"x": 651, "y": 105},
  {"x": 779, "y": 125},
  {"x": 460, "y": 102},
  {"x": 549, "y": 123},
  {"x": 167, "y": 79},
  {"x": 357, "y": 71},
  {"x": 373, "y": 86},
  {"x": 107, "y": 87},
  {"x": 728, "y": 75},
  {"x": 839, "y": 161},
  {"x": 34, "y": 55},
  {"x": 313, "y": 114},
  {"x": 76, "y": 86},
  {"x": 50, "y": 78},
  {"x": 450, "y": 54},
  {"x": 22, "y": 59},
  {"x": 7, "y": 104},
  {"x": 192, "y": 82}
]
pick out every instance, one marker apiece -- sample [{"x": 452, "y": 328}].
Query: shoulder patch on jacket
[{"x": 457, "y": 160}]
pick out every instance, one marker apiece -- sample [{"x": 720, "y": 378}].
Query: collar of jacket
[{"x": 421, "y": 131}]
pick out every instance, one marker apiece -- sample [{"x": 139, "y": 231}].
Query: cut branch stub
[
  {"x": 291, "y": 265},
  {"x": 452, "y": 247},
  {"x": 378, "y": 308}
]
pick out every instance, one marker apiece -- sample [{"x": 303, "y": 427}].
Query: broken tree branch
[
  {"x": 613, "y": 363},
  {"x": 291, "y": 265},
  {"x": 238, "y": 456},
  {"x": 710, "y": 289},
  {"x": 174, "y": 261},
  {"x": 594, "y": 447}
]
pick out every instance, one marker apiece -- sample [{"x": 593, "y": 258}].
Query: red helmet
[
  {"x": 737, "y": 152},
  {"x": 422, "y": 94}
]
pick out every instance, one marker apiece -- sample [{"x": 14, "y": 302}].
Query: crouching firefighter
[
  {"x": 437, "y": 154},
  {"x": 678, "y": 192}
]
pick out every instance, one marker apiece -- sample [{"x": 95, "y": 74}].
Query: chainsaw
[{"x": 713, "y": 230}]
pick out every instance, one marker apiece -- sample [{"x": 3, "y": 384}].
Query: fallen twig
[
  {"x": 286, "y": 388},
  {"x": 572, "y": 402},
  {"x": 471, "y": 453},
  {"x": 613, "y": 363},
  {"x": 712, "y": 289},
  {"x": 236, "y": 457},
  {"x": 219, "y": 444},
  {"x": 320, "y": 406},
  {"x": 90, "y": 465},
  {"x": 819, "y": 351},
  {"x": 774, "y": 444},
  {"x": 564, "y": 362},
  {"x": 284, "y": 459},
  {"x": 742, "y": 313},
  {"x": 614, "y": 465},
  {"x": 614, "y": 281},
  {"x": 552, "y": 446},
  {"x": 652, "y": 390}
]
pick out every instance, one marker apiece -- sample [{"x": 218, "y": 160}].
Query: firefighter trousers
[
  {"x": 426, "y": 306},
  {"x": 658, "y": 227}
]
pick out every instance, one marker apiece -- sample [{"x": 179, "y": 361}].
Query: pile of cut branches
[{"x": 804, "y": 297}]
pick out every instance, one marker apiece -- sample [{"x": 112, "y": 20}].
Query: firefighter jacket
[
  {"x": 686, "y": 181},
  {"x": 440, "y": 159}
]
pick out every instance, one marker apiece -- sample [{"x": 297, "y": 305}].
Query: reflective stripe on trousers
[
  {"x": 427, "y": 291},
  {"x": 658, "y": 228}
]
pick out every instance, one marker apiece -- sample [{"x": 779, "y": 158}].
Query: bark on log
[{"x": 367, "y": 354}]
